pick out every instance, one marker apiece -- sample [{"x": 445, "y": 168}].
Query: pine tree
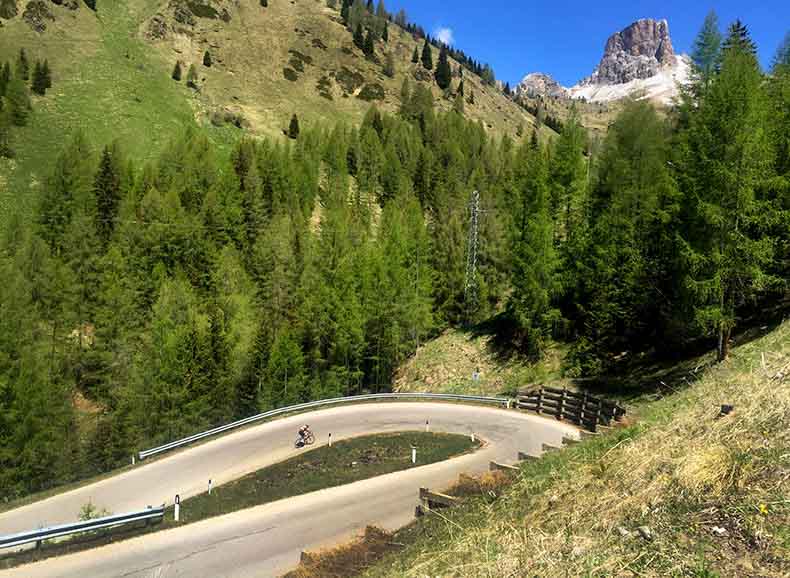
[
  {"x": 726, "y": 162},
  {"x": 5, "y": 78},
  {"x": 359, "y": 37},
  {"x": 369, "y": 6},
  {"x": 535, "y": 264},
  {"x": 381, "y": 10},
  {"x": 107, "y": 188},
  {"x": 207, "y": 59},
  {"x": 6, "y": 150},
  {"x": 177, "y": 72},
  {"x": 38, "y": 84},
  {"x": 91, "y": 4},
  {"x": 385, "y": 35},
  {"x": 707, "y": 49},
  {"x": 23, "y": 65},
  {"x": 344, "y": 10},
  {"x": 368, "y": 47},
  {"x": 47, "y": 75},
  {"x": 443, "y": 72},
  {"x": 18, "y": 101},
  {"x": 415, "y": 57},
  {"x": 192, "y": 77},
  {"x": 738, "y": 38},
  {"x": 293, "y": 128},
  {"x": 427, "y": 56},
  {"x": 781, "y": 58}
]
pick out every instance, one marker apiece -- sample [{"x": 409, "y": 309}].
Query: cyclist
[{"x": 304, "y": 431}]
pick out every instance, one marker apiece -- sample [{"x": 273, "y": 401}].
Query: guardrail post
[
  {"x": 177, "y": 513},
  {"x": 209, "y": 486},
  {"x": 540, "y": 401}
]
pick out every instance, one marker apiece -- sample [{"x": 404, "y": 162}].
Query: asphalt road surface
[{"x": 268, "y": 540}]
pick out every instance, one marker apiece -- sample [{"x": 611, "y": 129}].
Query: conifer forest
[{"x": 214, "y": 284}]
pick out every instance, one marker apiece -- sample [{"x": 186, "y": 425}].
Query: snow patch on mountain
[{"x": 662, "y": 87}]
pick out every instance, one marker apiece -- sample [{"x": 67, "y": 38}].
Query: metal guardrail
[
  {"x": 79, "y": 527},
  {"x": 313, "y": 404}
]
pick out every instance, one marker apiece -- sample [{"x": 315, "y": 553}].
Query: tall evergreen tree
[
  {"x": 176, "y": 75},
  {"x": 415, "y": 56},
  {"x": 443, "y": 72},
  {"x": 5, "y": 77},
  {"x": 293, "y": 127},
  {"x": 535, "y": 264},
  {"x": 46, "y": 73},
  {"x": 107, "y": 188},
  {"x": 39, "y": 81},
  {"x": 385, "y": 34},
  {"x": 368, "y": 47},
  {"x": 359, "y": 37},
  {"x": 207, "y": 59},
  {"x": 23, "y": 65},
  {"x": 738, "y": 38},
  {"x": 707, "y": 49},
  {"x": 726, "y": 161},
  {"x": 427, "y": 56},
  {"x": 18, "y": 101},
  {"x": 344, "y": 10}
]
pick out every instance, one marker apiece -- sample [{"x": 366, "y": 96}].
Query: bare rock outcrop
[
  {"x": 639, "y": 51},
  {"x": 37, "y": 14},
  {"x": 540, "y": 84}
]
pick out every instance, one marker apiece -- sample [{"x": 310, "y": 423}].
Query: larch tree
[{"x": 727, "y": 158}]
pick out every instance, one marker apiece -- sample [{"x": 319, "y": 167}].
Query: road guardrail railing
[
  {"x": 42, "y": 534},
  {"x": 314, "y": 404}
]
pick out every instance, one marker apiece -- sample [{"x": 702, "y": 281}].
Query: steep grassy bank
[{"x": 683, "y": 492}]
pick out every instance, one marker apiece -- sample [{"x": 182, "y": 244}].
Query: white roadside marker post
[
  {"x": 330, "y": 440},
  {"x": 473, "y": 437},
  {"x": 426, "y": 425},
  {"x": 414, "y": 454},
  {"x": 177, "y": 508},
  {"x": 209, "y": 486},
  {"x": 132, "y": 459}
]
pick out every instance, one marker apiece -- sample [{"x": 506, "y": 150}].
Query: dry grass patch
[{"x": 348, "y": 559}]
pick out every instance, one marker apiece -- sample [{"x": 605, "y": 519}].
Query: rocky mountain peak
[
  {"x": 540, "y": 84},
  {"x": 638, "y": 51}
]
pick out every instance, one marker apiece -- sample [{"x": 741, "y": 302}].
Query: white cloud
[{"x": 445, "y": 35}]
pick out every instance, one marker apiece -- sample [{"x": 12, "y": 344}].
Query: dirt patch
[{"x": 348, "y": 559}]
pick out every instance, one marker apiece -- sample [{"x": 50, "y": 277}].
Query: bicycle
[{"x": 307, "y": 440}]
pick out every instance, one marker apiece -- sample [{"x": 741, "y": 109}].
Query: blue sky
[{"x": 566, "y": 39}]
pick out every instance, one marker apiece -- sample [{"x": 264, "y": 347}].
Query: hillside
[
  {"x": 112, "y": 77},
  {"x": 683, "y": 491}
]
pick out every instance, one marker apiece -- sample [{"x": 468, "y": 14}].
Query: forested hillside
[
  {"x": 152, "y": 299},
  {"x": 140, "y": 71}
]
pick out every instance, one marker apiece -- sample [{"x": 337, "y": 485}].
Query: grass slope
[
  {"x": 711, "y": 494},
  {"x": 447, "y": 364},
  {"x": 112, "y": 80},
  {"x": 106, "y": 82}
]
